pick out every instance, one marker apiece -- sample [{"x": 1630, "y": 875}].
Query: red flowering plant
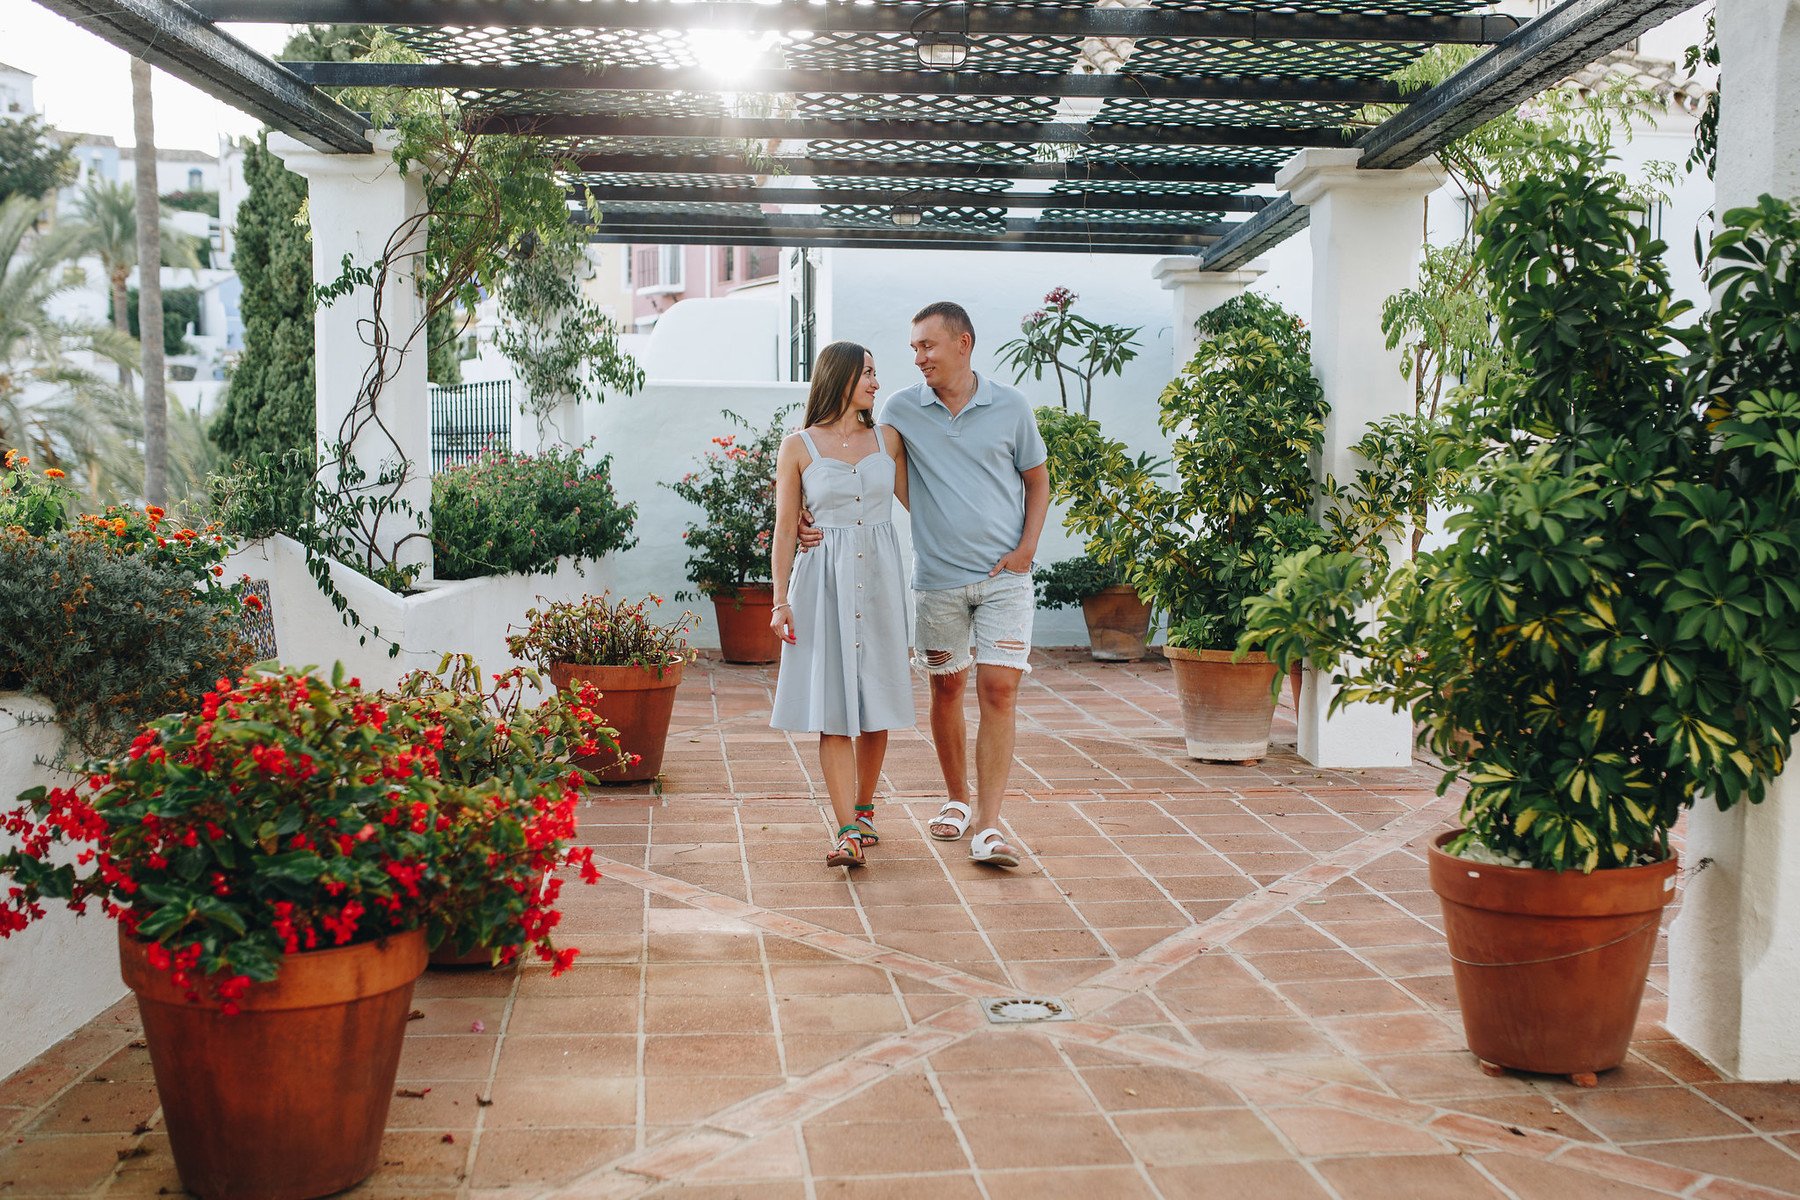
[
  {"x": 735, "y": 489},
  {"x": 288, "y": 814},
  {"x": 514, "y": 770}
]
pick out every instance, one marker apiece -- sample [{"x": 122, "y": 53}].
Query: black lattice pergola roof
[{"x": 1150, "y": 127}]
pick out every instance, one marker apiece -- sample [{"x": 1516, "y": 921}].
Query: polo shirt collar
[{"x": 984, "y": 393}]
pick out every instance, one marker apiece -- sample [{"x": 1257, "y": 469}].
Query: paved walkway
[{"x": 1258, "y": 994}]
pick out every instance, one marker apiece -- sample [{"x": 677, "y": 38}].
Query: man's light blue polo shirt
[{"x": 962, "y": 474}]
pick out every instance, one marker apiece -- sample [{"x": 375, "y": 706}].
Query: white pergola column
[
  {"x": 1367, "y": 233},
  {"x": 1734, "y": 948},
  {"x": 1197, "y": 293},
  {"x": 357, "y": 202}
]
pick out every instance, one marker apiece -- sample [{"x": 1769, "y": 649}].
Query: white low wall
[
  {"x": 466, "y": 616},
  {"x": 62, "y": 971}
]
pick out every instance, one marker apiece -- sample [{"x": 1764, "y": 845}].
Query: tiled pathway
[{"x": 1260, "y": 998}]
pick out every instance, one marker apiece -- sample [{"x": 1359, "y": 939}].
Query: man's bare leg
[
  {"x": 997, "y": 693},
  {"x": 950, "y": 738}
]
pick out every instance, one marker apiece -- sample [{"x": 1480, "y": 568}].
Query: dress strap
[
  {"x": 881, "y": 440},
  {"x": 810, "y": 448}
]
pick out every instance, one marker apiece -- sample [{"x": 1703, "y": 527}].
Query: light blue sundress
[{"x": 847, "y": 671}]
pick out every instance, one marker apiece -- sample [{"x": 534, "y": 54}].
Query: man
[{"x": 978, "y": 494}]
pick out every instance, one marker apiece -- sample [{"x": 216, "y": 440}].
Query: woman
[{"x": 841, "y": 612}]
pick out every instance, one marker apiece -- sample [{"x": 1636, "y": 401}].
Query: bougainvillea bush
[
  {"x": 597, "y": 631},
  {"x": 518, "y": 513},
  {"x": 289, "y": 814},
  {"x": 735, "y": 489},
  {"x": 115, "y": 618}
]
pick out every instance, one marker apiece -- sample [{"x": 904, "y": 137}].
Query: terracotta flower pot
[
  {"x": 1226, "y": 707},
  {"x": 1549, "y": 966},
  {"x": 636, "y": 703},
  {"x": 1118, "y": 624},
  {"x": 744, "y": 633},
  {"x": 288, "y": 1099}
]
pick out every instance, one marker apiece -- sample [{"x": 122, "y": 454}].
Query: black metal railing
[{"x": 467, "y": 419}]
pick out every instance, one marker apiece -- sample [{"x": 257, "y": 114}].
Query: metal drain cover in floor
[{"x": 1015, "y": 1009}]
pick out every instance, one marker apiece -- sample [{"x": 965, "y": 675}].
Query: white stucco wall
[{"x": 62, "y": 971}]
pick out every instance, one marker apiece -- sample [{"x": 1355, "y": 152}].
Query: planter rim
[
  {"x": 310, "y": 979},
  {"x": 1540, "y": 891},
  {"x": 741, "y": 589},
  {"x": 1255, "y": 658},
  {"x": 624, "y": 678},
  {"x": 1115, "y": 589}
]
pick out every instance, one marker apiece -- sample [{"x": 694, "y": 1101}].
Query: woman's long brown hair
[{"x": 834, "y": 381}]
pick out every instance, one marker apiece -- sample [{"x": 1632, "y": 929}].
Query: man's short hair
[{"x": 953, "y": 314}]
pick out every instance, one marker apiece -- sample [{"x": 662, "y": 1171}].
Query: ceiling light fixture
[
  {"x": 906, "y": 215},
  {"x": 942, "y": 49}
]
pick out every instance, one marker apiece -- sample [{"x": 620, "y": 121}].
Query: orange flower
[
  {"x": 53, "y": 473},
  {"x": 254, "y": 603},
  {"x": 156, "y": 514},
  {"x": 118, "y": 526},
  {"x": 15, "y": 459}
]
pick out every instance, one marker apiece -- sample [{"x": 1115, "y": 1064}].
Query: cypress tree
[{"x": 269, "y": 401}]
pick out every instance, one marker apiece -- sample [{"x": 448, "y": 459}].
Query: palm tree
[
  {"x": 107, "y": 212},
  {"x": 149, "y": 231},
  {"x": 59, "y": 412}
]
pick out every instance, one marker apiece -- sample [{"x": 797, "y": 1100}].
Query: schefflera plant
[{"x": 1615, "y": 629}]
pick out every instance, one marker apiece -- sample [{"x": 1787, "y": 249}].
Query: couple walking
[{"x": 963, "y": 454}]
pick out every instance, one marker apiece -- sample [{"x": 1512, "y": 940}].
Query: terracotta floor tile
[
  {"x": 569, "y": 1014},
  {"x": 418, "y": 1159},
  {"x": 1530, "y": 1112},
  {"x": 1320, "y": 1132},
  {"x": 1211, "y": 1135},
  {"x": 840, "y": 1014},
  {"x": 1529, "y": 1177},
  {"x": 1069, "y": 1183},
  {"x": 807, "y": 1052},
  {"x": 58, "y": 1166},
  {"x": 565, "y": 1056},
  {"x": 1414, "y": 1177},
  {"x": 1305, "y": 965},
  {"x": 1394, "y": 1033},
  {"x": 706, "y": 1014},
  {"x": 1650, "y": 1114},
  {"x": 882, "y": 1147},
  {"x": 465, "y": 1056},
  {"x": 1128, "y": 1088},
  {"x": 1201, "y": 1004},
  {"x": 1239, "y": 1181},
  {"x": 1769, "y": 1107},
  {"x": 1750, "y": 1159},
  {"x": 709, "y": 1054},
  {"x": 1433, "y": 1076},
  {"x": 829, "y": 979},
  {"x": 683, "y": 1100},
  {"x": 560, "y": 1103},
  {"x": 545, "y": 1156},
  {"x": 1347, "y": 997},
  {"x": 1261, "y": 1038},
  {"x": 906, "y": 1097},
  {"x": 1042, "y": 1140},
  {"x": 111, "y": 1107},
  {"x": 958, "y": 1186},
  {"x": 978, "y": 1094}
]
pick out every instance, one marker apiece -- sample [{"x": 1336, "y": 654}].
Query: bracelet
[{"x": 782, "y": 605}]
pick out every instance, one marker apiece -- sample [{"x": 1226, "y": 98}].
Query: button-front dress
[{"x": 846, "y": 672}]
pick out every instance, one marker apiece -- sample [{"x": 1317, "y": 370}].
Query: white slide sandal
[
  {"x": 990, "y": 847},
  {"x": 955, "y": 814}
]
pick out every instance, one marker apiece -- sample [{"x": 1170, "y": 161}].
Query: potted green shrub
[
  {"x": 519, "y": 513},
  {"x": 1245, "y": 413},
  {"x": 278, "y": 862},
  {"x": 1118, "y": 623},
  {"x": 735, "y": 489},
  {"x": 1615, "y": 629},
  {"x": 491, "y": 734},
  {"x": 633, "y": 663}
]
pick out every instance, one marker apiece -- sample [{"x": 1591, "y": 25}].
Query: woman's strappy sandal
[
  {"x": 865, "y": 817},
  {"x": 848, "y": 851}
]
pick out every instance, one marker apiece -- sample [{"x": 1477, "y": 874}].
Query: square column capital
[
  {"x": 1311, "y": 175},
  {"x": 1182, "y": 270},
  {"x": 314, "y": 165}
]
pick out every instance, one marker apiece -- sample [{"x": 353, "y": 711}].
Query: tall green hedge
[{"x": 269, "y": 403}]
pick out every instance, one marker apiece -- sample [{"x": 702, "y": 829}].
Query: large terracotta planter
[
  {"x": 1549, "y": 966},
  {"x": 288, "y": 1099},
  {"x": 636, "y": 703},
  {"x": 1118, "y": 624},
  {"x": 1226, "y": 707},
  {"x": 744, "y": 633}
]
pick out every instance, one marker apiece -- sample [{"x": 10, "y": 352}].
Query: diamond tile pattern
[{"x": 1261, "y": 998}]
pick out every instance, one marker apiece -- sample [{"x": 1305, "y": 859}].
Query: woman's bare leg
[
  {"x": 871, "y": 751},
  {"x": 837, "y": 761}
]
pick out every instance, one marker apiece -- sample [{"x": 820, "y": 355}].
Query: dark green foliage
[
  {"x": 109, "y": 638},
  {"x": 200, "y": 202},
  {"x": 181, "y": 308},
  {"x": 1616, "y": 629},
  {"x": 443, "y": 355},
  {"x": 519, "y": 513},
  {"x": 265, "y": 494},
  {"x": 34, "y": 159},
  {"x": 269, "y": 402},
  {"x": 1067, "y": 583},
  {"x": 1250, "y": 310}
]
